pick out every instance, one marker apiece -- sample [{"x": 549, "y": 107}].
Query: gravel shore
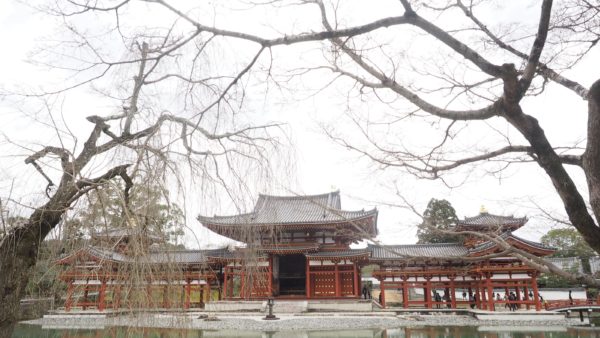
[{"x": 291, "y": 323}]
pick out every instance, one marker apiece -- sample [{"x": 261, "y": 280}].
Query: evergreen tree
[
  {"x": 438, "y": 217},
  {"x": 148, "y": 205},
  {"x": 569, "y": 243}
]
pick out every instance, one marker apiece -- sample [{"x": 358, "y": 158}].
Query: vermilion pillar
[
  {"x": 382, "y": 290},
  {"x": 536, "y": 296},
  {"x": 69, "y": 301},
  {"x": 102, "y": 296},
  {"x": 483, "y": 291},
  {"x": 165, "y": 295},
  {"x": 308, "y": 291},
  {"x": 477, "y": 295},
  {"x": 518, "y": 295},
  {"x": 270, "y": 277},
  {"x": 149, "y": 298},
  {"x": 405, "y": 293},
  {"x": 452, "y": 294},
  {"x": 242, "y": 283},
  {"x": 338, "y": 284},
  {"x": 225, "y": 275},
  {"x": 428, "y": 294},
  {"x": 526, "y": 295},
  {"x": 187, "y": 290},
  {"x": 490, "y": 291},
  {"x": 356, "y": 283}
]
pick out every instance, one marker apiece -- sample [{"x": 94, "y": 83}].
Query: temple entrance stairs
[{"x": 290, "y": 306}]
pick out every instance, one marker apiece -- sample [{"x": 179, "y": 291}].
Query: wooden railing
[{"x": 566, "y": 303}]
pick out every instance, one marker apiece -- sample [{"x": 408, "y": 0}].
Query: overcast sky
[{"x": 320, "y": 164}]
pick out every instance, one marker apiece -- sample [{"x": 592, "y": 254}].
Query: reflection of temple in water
[
  {"x": 298, "y": 248},
  {"x": 404, "y": 332}
]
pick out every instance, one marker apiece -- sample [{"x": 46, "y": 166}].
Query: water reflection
[{"x": 31, "y": 331}]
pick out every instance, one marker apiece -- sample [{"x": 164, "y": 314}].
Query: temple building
[
  {"x": 124, "y": 269},
  {"x": 298, "y": 247},
  {"x": 472, "y": 273}
]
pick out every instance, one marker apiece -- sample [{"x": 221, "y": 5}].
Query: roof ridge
[
  {"x": 178, "y": 250},
  {"x": 292, "y": 197},
  {"x": 224, "y": 216},
  {"x": 418, "y": 244},
  {"x": 494, "y": 215},
  {"x": 361, "y": 210},
  {"x": 261, "y": 201}
]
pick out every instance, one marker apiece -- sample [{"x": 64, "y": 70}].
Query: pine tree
[{"x": 439, "y": 217}]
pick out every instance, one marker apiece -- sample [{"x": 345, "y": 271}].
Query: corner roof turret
[{"x": 489, "y": 222}]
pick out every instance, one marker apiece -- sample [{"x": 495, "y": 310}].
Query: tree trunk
[
  {"x": 591, "y": 157},
  {"x": 547, "y": 158},
  {"x": 19, "y": 252}
]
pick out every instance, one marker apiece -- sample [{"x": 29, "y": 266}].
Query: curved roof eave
[
  {"x": 207, "y": 221},
  {"x": 490, "y": 245}
]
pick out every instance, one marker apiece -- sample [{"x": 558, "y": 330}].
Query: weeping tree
[
  {"x": 176, "y": 101},
  {"x": 204, "y": 137},
  {"x": 210, "y": 152}
]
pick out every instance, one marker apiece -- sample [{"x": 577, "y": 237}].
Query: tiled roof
[
  {"x": 508, "y": 236},
  {"x": 234, "y": 255},
  {"x": 344, "y": 253},
  {"x": 158, "y": 257},
  {"x": 485, "y": 219},
  {"x": 107, "y": 254},
  {"x": 180, "y": 256},
  {"x": 273, "y": 210},
  {"x": 442, "y": 250},
  {"x": 417, "y": 250},
  {"x": 305, "y": 247}
]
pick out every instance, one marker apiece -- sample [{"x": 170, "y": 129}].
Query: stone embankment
[{"x": 317, "y": 321}]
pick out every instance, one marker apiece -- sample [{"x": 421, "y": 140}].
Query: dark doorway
[{"x": 292, "y": 275}]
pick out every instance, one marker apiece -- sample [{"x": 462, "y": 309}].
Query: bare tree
[
  {"x": 483, "y": 90},
  {"x": 476, "y": 74},
  {"x": 468, "y": 86}
]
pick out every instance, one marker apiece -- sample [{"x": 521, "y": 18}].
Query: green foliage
[
  {"x": 148, "y": 206},
  {"x": 367, "y": 271},
  {"x": 569, "y": 243},
  {"x": 438, "y": 217},
  {"x": 44, "y": 281},
  {"x": 550, "y": 280}
]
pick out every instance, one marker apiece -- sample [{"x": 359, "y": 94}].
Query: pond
[{"x": 31, "y": 331}]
